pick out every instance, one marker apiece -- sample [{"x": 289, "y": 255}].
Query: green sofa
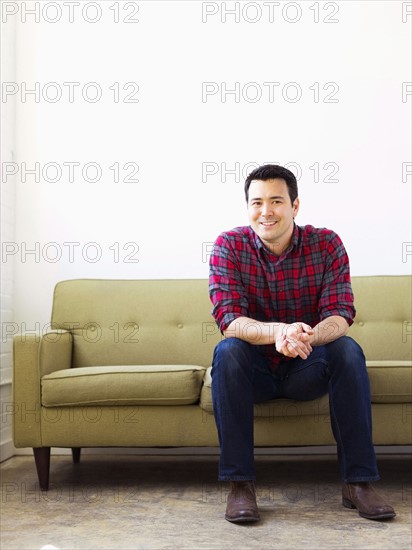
[{"x": 126, "y": 363}]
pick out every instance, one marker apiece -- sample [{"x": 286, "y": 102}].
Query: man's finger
[
  {"x": 298, "y": 351},
  {"x": 287, "y": 350},
  {"x": 298, "y": 348},
  {"x": 307, "y": 328}
]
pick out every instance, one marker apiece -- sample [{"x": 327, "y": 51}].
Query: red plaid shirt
[{"x": 308, "y": 282}]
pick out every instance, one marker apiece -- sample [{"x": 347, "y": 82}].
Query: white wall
[
  {"x": 351, "y": 68},
  {"x": 7, "y": 234}
]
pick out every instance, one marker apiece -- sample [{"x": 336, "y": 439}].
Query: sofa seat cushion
[
  {"x": 123, "y": 385},
  {"x": 391, "y": 381}
]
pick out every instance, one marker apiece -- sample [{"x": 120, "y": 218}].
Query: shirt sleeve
[
  {"x": 336, "y": 297},
  {"x": 226, "y": 289}
]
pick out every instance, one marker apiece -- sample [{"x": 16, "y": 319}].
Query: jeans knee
[
  {"x": 231, "y": 346},
  {"x": 346, "y": 352},
  {"x": 348, "y": 345},
  {"x": 232, "y": 353}
]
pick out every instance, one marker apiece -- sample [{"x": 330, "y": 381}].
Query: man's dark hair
[{"x": 270, "y": 172}]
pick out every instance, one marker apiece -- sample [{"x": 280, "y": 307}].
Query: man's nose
[{"x": 267, "y": 210}]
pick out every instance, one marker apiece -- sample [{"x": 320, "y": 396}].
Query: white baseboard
[{"x": 7, "y": 449}]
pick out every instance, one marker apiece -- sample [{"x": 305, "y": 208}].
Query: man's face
[{"x": 271, "y": 213}]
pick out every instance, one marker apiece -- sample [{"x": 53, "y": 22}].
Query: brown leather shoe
[
  {"x": 241, "y": 502},
  {"x": 368, "y": 503}
]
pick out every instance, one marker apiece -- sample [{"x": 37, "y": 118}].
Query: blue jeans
[{"x": 241, "y": 377}]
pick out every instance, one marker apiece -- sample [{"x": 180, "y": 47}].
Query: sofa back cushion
[
  {"x": 136, "y": 322},
  {"x": 383, "y": 322}
]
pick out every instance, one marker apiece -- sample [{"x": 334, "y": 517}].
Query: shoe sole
[
  {"x": 349, "y": 504},
  {"x": 242, "y": 519}
]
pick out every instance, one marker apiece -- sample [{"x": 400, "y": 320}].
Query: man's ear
[{"x": 295, "y": 206}]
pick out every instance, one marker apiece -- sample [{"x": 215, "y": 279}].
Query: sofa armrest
[
  {"x": 33, "y": 357},
  {"x": 55, "y": 351}
]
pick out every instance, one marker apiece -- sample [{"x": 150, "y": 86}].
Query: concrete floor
[{"x": 174, "y": 502}]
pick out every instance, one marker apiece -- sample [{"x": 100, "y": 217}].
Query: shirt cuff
[
  {"x": 226, "y": 319},
  {"x": 348, "y": 318}
]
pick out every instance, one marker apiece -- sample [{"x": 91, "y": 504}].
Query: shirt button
[{"x": 179, "y": 325}]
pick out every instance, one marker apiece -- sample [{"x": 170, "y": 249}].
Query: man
[{"x": 282, "y": 298}]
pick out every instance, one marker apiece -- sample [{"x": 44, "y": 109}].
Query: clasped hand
[{"x": 295, "y": 340}]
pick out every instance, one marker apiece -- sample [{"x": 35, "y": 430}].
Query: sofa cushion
[
  {"x": 390, "y": 382},
  {"x": 115, "y": 321},
  {"x": 123, "y": 385}
]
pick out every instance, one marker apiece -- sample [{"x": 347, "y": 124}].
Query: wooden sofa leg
[
  {"x": 76, "y": 454},
  {"x": 42, "y": 459}
]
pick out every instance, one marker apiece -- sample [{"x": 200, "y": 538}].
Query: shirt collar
[{"x": 293, "y": 243}]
